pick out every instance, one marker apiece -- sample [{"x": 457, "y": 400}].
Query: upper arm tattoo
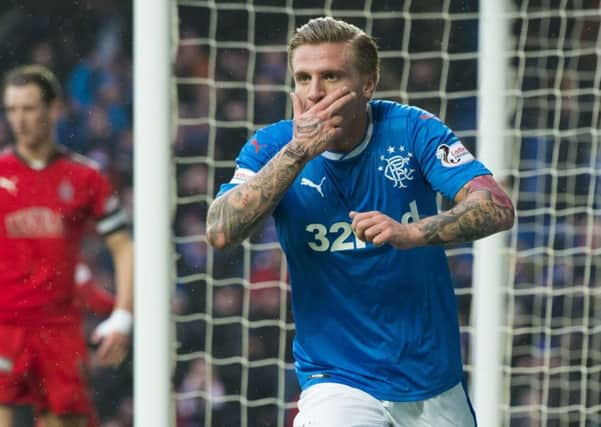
[{"x": 488, "y": 184}]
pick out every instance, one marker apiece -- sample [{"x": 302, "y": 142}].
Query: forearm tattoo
[
  {"x": 233, "y": 216},
  {"x": 296, "y": 154},
  {"x": 485, "y": 210}
]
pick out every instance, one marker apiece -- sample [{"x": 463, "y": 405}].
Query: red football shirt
[{"x": 43, "y": 215}]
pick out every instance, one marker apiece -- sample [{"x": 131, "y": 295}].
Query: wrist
[
  {"x": 120, "y": 320},
  {"x": 408, "y": 236},
  {"x": 296, "y": 152}
]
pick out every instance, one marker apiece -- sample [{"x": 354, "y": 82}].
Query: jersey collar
[
  {"x": 36, "y": 165},
  {"x": 332, "y": 155}
]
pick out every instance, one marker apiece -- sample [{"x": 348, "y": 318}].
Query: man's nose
[
  {"x": 18, "y": 119},
  {"x": 316, "y": 91}
]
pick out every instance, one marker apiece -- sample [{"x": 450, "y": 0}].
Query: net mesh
[
  {"x": 553, "y": 354},
  {"x": 232, "y": 309}
]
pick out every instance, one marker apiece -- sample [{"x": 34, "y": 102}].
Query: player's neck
[{"x": 37, "y": 154}]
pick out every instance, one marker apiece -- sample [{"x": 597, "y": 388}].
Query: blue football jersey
[{"x": 379, "y": 319}]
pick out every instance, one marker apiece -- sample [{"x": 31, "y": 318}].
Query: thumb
[{"x": 95, "y": 338}]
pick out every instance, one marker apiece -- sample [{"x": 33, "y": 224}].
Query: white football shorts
[{"x": 339, "y": 405}]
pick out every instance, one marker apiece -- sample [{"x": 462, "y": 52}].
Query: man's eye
[{"x": 330, "y": 77}]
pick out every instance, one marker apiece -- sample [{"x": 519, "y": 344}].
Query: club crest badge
[
  {"x": 395, "y": 166},
  {"x": 66, "y": 191}
]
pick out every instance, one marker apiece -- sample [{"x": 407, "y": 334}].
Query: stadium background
[{"x": 88, "y": 44}]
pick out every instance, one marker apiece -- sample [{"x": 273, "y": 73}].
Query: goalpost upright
[
  {"x": 488, "y": 269},
  {"x": 152, "y": 202}
]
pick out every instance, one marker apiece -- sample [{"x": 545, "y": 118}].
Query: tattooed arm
[
  {"x": 482, "y": 208},
  {"x": 233, "y": 216}
]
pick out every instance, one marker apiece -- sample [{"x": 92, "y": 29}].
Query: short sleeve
[
  {"x": 105, "y": 205},
  {"x": 257, "y": 151},
  {"x": 444, "y": 161}
]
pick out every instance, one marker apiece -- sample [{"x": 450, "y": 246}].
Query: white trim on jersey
[
  {"x": 330, "y": 155},
  {"x": 112, "y": 222},
  {"x": 241, "y": 175},
  {"x": 83, "y": 274}
]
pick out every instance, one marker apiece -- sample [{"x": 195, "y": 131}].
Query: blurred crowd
[{"x": 243, "y": 346}]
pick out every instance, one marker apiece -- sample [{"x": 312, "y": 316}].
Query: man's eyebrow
[{"x": 326, "y": 71}]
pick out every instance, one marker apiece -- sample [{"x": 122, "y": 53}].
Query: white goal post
[
  {"x": 490, "y": 263},
  {"x": 153, "y": 277},
  {"x": 519, "y": 81}
]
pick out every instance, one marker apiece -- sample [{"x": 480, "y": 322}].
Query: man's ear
[
  {"x": 56, "y": 109},
  {"x": 369, "y": 87}
]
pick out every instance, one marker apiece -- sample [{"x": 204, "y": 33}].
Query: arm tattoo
[
  {"x": 484, "y": 210},
  {"x": 233, "y": 216},
  {"x": 296, "y": 154},
  {"x": 308, "y": 128}
]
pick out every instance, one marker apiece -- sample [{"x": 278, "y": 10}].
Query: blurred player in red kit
[
  {"x": 47, "y": 197},
  {"x": 92, "y": 298}
]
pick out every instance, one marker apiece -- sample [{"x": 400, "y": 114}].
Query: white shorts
[{"x": 338, "y": 405}]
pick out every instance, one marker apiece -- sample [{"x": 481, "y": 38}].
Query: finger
[
  {"x": 116, "y": 357},
  {"x": 385, "y": 236},
  {"x": 327, "y": 100},
  {"x": 95, "y": 338},
  {"x": 366, "y": 226},
  {"x": 359, "y": 227},
  {"x": 297, "y": 107},
  {"x": 380, "y": 239},
  {"x": 108, "y": 345},
  {"x": 336, "y": 121},
  {"x": 372, "y": 231},
  {"x": 121, "y": 347},
  {"x": 103, "y": 352},
  {"x": 357, "y": 217},
  {"x": 339, "y": 104},
  {"x": 333, "y": 133},
  {"x": 111, "y": 353}
]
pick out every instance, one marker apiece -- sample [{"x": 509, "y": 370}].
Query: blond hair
[{"x": 330, "y": 30}]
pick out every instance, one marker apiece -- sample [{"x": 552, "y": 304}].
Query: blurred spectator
[{"x": 198, "y": 379}]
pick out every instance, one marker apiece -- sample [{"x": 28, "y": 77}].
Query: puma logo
[
  {"x": 8, "y": 184},
  {"x": 309, "y": 183},
  {"x": 257, "y": 145},
  {"x": 6, "y": 365}
]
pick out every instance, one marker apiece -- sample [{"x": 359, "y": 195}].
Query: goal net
[
  {"x": 232, "y": 316},
  {"x": 552, "y": 357}
]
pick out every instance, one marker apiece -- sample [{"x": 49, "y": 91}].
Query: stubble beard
[
  {"x": 35, "y": 141},
  {"x": 351, "y": 133}
]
